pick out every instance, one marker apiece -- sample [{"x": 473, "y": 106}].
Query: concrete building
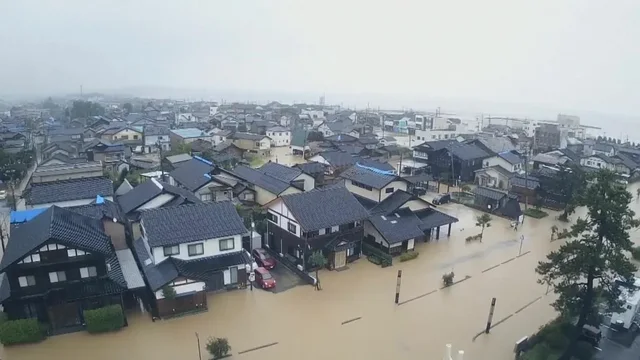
[{"x": 280, "y": 136}]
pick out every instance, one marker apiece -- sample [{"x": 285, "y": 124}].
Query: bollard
[
  {"x": 398, "y": 286},
  {"x": 460, "y": 354},
  {"x": 493, "y": 306}
]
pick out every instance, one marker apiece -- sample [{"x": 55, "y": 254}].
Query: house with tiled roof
[
  {"x": 498, "y": 169},
  {"x": 265, "y": 187},
  {"x": 252, "y": 143},
  {"x": 60, "y": 263},
  {"x": 197, "y": 176},
  {"x": 401, "y": 220},
  {"x": 372, "y": 185},
  {"x": 455, "y": 161},
  {"x": 66, "y": 193},
  {"x": 192, "y": 249},
  {"x": 328, "y": 220}
]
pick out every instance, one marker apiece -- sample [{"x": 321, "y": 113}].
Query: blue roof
[
  {"x": 189, "y": 133},
  {"x": 20, "y": 216},
  {"x": 203, "y": 160},
  {"x": 99, "y": 199}
]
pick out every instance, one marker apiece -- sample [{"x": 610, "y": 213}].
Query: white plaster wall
[
  {"x": 373, "y": 194},
  {"x": 211, "y": 248},
  {"x": 156, "y": 202},
  {"x": 182, "y": 289},
  {"x": 280, "y": 210},
  {"x": 415, "y": 205},
  {"x": 369, "y": 229},
  {"x": 309, "y": 181},
  {"x": 396, "y": 185}
]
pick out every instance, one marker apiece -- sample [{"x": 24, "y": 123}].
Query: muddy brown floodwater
[{"x": 354, "y": 316}]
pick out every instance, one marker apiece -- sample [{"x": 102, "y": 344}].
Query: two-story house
[
  {"x": 280, "y": 136},
  {"x": 196, "y": 175},
  {"x": 192, "y": 249},
  {"x": 156, "y": 138},
  {"x": 253, "y": 143},
  {"x": 58, "y": 264},
  {"x": 128, "y": 134},
  {"x": 110, "y": 154},
  {"x": 598, "y": 161},
  {"x": 328, "y": 219},
  {"x": 56, "y": 172},
  {"x": 457, "y": 161},
  {"x": 497, "y": 170},
  {"x": 262, "y": 188},
  {"x": 372, "y": 185}
]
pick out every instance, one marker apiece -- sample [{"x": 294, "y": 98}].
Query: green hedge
[
  {"x": 20, "y": 332},
  {"x": 635, "y": 252},
  {"x": 370, "y": 251},
  {"x": 409, "y": 256},
  {"x": 108, "y": 318},
  {"x": 535, "y": 213}
]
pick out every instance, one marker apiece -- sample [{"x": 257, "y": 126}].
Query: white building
[{"x": 280, "y": 136}]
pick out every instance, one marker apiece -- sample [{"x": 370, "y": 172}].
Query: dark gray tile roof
[
  {"x": 529, "y": 183},
  {"x": 368, "y": 204},
  {"x": 495, "y": 145},
  {"x": 603, "y": 147},
  {"x": 393, "y": 202},
  {"x": 497, "y": 168},
  {"x": 398, "y": 226},
  {"x": 107, "y": 209},
  {"x": 432, "y": 218},
  {"x": 64, "y": 226},
  {"x": 312, "y": 168},
  {"x": 434, "y": 145},
  {"x": 467, "y": 151},
  {"x": 148, "y": 190},
  {"x": 511, "y": 157},
  {"x": 280, "y": 172},
  {"x": 350, "y": 149},
  {"x": 322, "y": 208},
  {"x": 489, "y": 193},
  {"x": 257, "y": 178},
  {"x": 5, "y": 288},
  {"x": 341, "y": 138},
  {"x": 372, "y": 178},
  {"x": 153, "y": 130},
  {"x": 414, "y": 179},
  {"x": 367, "y": 140},
  {"x": 338, "y": 158},
  {"x": 191, "y": 174},
  {"x": 65, "y": 159},
  {"x": 158, "y": 275},
  {"x": 189, "y": 223},
  {"x": 67, "y": 190},
  {"x": 627, "y": 161}
]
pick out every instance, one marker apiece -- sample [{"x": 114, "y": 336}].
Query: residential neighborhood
[{"x": 168, "y": 211}]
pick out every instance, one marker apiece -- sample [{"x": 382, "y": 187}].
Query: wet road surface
[{"x": 354, "y": 316}]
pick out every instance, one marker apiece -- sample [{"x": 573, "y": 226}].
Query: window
[
  {"x": 292, "y": 227},
  {"x": 350, "y": 251},
  {"x": 87, "y": 272},
  {"x": 196, "y": 249},
  {"x": 171, "y": 250},
  {"x": 28, "y": 280},
  {"x": 257, "y": 144},
  {"x": 135, "y": 137},
  {"x": 57, "y": 276},
  {"x": 74, "y": 252},
  {"x": 226, "y": 244},
  {"x": 389, "y": 190},
  {"x": 272, "y": 217}
]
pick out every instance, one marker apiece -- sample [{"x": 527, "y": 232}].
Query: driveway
[{"x": 285, "y": 278}]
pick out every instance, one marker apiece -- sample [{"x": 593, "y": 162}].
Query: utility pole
[
  {"x": 398, "y": 282},
  {"x": 493, "y": 306},
  {"x": 162, "y": 176}
]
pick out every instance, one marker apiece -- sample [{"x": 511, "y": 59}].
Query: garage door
[{"x": 216, "y": 282}]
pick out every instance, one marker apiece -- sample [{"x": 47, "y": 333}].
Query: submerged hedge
[
  {"x": 20, "y": 331},
  {"x": 108, "y": 318}
]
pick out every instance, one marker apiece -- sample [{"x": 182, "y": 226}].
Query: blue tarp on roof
[{"x": 25, "y": 215}]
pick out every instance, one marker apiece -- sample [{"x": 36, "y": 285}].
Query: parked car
[
  {"x": 419, "y": 191},
  {"x": 264, "y": 279},
  {"x": 264, "y": 259},
  {"x": 442, "y": 199}
]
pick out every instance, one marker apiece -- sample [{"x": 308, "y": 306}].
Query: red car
[
  {"x": 264, "y": 278},
  {"x": 264, "y": 259}
]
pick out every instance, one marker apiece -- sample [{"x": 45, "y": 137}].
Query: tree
[
  {"x": 483, "y": 221},
  {"x": 85, "y": 108},
  {"x": 567, "y": 186},
  {"x": 554, "y": 231},
  {"x": 585, "y": 272},
  {"x": 638, "y": 193},
  {"x": 49, "y": 104},
  {"x": 128, "y": 108},
  {"x": 218, "y": 347},
  {"x": 599, "y": 138},
  {"x": 619, "y": 141},
  {"x": 317, "y": 260}
]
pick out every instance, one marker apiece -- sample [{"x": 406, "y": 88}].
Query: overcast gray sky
[{"x": 576, "y": 54}]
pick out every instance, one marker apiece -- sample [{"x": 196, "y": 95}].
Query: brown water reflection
[{"x": 308, "y": 324}]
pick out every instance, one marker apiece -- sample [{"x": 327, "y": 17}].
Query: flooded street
[
  {"x": 283, "y": 155},
  {"x": 354, "y": 316}
]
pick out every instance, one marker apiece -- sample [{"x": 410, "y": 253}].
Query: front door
[
  {"x": 340, "y": 259},
  {"x": 64, "y": 315}
]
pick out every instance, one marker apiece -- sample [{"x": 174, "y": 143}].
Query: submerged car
[
  {"x": 264, "y": 279},
  {"x": 264, "y": 259},
  {"x": 442, "y": 199}
]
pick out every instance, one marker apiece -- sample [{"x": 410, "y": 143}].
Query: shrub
[
  {"x": 374, "y": 259},
  {"x": 556, "y": 339},
  {"x": 108, "y": 318},
  {"x": 473, "y": 237},
  {"x": 168, "y": 292},
  {"x": 20, "y": 332},
  {"x": 447, "y": 279},
  {"x": 409, "y": 256},
  {"x": 218, "y": 347},
  {"x": 635, "y": 252},
  {"x": 535, "y": 213}
]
